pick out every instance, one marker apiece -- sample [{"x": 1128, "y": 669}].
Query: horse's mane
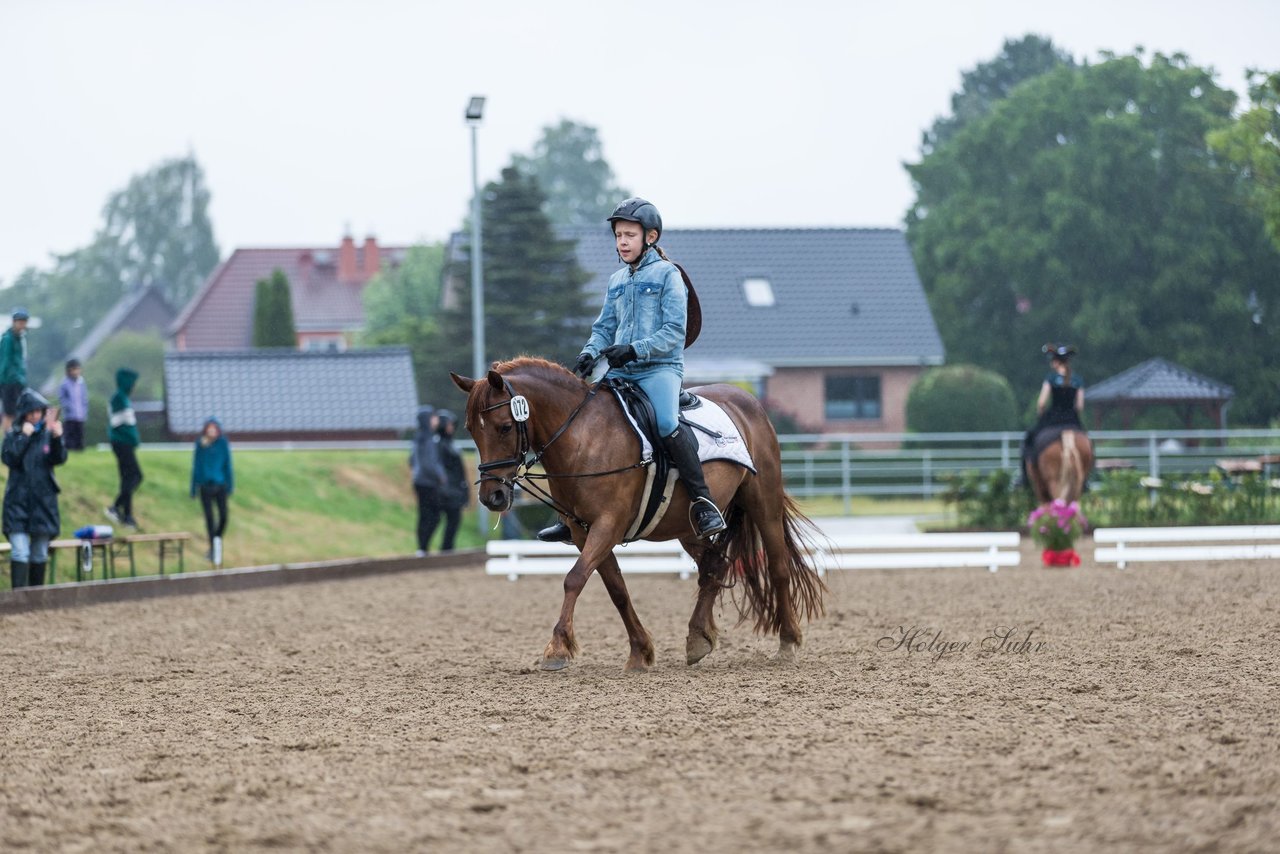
[{"x": 538, "y": 367}]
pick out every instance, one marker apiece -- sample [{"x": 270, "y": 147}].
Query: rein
[{"x": 525, "y": 459}]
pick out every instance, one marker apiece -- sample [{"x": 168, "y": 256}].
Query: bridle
[{"x": 525, "y": 459}]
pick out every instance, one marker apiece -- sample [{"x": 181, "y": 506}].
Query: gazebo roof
[{"x": 1159, "y": 381}]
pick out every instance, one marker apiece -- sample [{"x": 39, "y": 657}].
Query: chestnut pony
[
  {"x": 589, "y": 456},
  {"x": 1062, "y": 468}
]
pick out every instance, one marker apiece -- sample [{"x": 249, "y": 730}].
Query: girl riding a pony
[
  {"x": 641, "y": 333},
  {"x": 1060, "y": 403}
]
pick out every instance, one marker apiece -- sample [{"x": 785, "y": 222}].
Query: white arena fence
[
  {"x": 514, "y": 558},
  {"x": 1221, "y": 542}
]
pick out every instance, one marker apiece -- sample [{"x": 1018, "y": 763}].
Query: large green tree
[
  {"x": 1086, "y": 206},
  {"x": 568, "y": 164},
  {"x": 990, "y": 82},
  {"x": 1252, "y": 144},
  {"x": 159, "y": 229},
  {"x": 534, "y": 301},
  {"x": 155, "y": 231},
  {"x": 402, "y": 306}
]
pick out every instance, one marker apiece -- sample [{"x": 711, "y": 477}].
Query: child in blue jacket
[{"x": 212, "y": 478}]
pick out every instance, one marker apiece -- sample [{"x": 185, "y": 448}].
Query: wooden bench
[
  {"x": 514, "y": 558},
  {"x": 1229, "y": 542},
  {"x": 180, "y": 539},
  {"x": 112, "y": 547},
  {"x": 83, "y": 558}
]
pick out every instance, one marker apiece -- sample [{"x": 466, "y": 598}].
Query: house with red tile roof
[{"x": 326, "y": 285}]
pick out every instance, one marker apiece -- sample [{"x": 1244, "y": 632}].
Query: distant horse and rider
[
  {"x": 1057, "y": 454},
  {"x": 536, "y": 422}
]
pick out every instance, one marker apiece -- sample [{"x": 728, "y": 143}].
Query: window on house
[
  {"x": 758, "y": 292},
  {"x": 322, "y": 345},
  {"x": 852, "y": 397}
]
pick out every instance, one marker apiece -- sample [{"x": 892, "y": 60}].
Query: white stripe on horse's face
[{"x": 481, "y": 422}]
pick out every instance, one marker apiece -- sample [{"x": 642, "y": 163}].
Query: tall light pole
[{"x": 475, "y": 111}]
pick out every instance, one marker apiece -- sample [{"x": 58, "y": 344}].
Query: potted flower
[{"x": 1055, "y": 527}]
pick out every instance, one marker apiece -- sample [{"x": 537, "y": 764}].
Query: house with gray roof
[
  {"x": 1159, "y": 382},
  {"x": 277, "y": 394},
  {"x": 828, "y": 325},
  {"x": 326, "y": 285}
]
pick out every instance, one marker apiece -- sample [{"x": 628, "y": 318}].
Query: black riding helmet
[
  {"x": 29, "y": 401},
  {"x": 639, "y": 210},
  {"x": 1058, "y": 351}
]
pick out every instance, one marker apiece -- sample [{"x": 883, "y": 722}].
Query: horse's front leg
[
  {"x": 712, "y": 568},
  {"x": 563, "y": 647},
  {"x": 641, "y": 658}
]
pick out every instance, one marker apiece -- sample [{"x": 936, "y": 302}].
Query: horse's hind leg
[
  {"x": 712, "y": 568},
  {"x": 641, "y": 657}
]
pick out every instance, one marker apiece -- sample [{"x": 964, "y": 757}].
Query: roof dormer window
[{"x": 758, "y": 292}]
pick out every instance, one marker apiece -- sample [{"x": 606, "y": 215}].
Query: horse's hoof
[
  {"x": 555, "y": 663},
  {"x": 697, "y": 647},
  {"x": 634, "y": 666},
  {"x": 788, "y": 651}
]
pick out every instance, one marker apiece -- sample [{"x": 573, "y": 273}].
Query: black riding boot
[
  {"x": 18, "y": 574},
  {"x": 682, "y": 447},
  {"x": 557, "y": 533},
  {"x": 36, "y": 574}
]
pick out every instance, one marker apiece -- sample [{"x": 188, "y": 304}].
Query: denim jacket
[{"x": 647, "y": 309}]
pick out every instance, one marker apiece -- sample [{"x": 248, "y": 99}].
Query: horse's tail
[
  {"x": 748, "y": 560},
  {"x": 1068, "y": 474}
]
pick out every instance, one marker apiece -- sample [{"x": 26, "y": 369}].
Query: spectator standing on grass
[
  {"x": 428, "y": 476},
  {"x": 13, "y": 365},
  {"x": 124, "y": 444},
  {"x": 73, "y": 395},
  {"x": 454, "y": 495},
  {"x": 213, "y": 480},
  {"x": 30, "y": 518}
]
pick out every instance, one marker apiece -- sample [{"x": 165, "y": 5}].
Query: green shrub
[{"x": 961, "y": 398}]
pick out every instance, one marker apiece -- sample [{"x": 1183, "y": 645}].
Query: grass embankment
[{"x": 289, "y": 506}]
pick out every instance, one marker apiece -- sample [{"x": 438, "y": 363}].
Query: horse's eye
[{"x": 504, "y": 429}]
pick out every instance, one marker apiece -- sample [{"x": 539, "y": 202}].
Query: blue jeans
[
  {"x": 661, "y": 385},
  {"x": 29, "y": 548}
]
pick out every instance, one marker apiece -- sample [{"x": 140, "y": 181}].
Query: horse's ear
[
  {"x": 495, "y": 380},
  {"x": 464, "y": 383}
]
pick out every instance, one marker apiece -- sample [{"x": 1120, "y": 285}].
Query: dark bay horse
[
  {"x": 1062, "y": 468},
  {"x": 589, "y": 454}
]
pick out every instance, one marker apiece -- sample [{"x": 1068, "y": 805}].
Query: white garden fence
[{"x": 1225, "y": 542}]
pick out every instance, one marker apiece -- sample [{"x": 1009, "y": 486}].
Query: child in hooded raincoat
[{"x": 124, "y": 444}]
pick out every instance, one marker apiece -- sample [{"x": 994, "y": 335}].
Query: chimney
[
  {"x": 347, "y": 269},
  {"x": 370, "y": 257},
  {"x": 305, "y": 264}
]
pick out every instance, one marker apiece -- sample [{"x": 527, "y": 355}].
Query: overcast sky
[{"x": 312, "y": 116}]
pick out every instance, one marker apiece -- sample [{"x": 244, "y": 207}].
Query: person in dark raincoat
[
  {"x": 428, "y": 476},
  {"x": 453, "y": 495},
  {"x": 31, "y": 450}
]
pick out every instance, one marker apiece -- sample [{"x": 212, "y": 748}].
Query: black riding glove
[
  {"x": 619, "y": 354},
  {"x": 583, "y": 366}
]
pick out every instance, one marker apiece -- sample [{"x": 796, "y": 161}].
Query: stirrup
[
  {"x": 557, "y": 533},
  {"x": 701, "y": 519}
]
